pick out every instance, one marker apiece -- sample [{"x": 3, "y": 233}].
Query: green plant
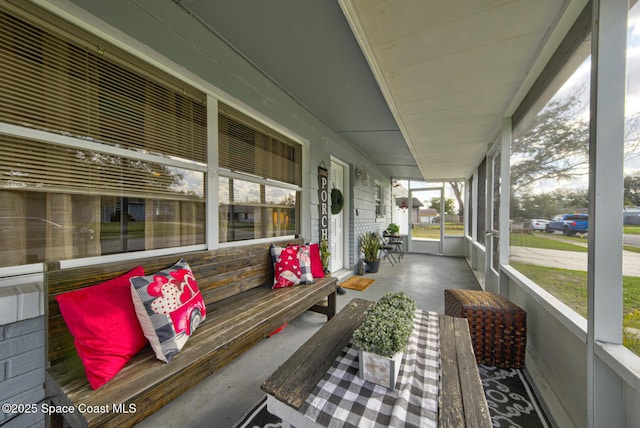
[
  {"x": 393, "y": 228},
  {"x": 630, "y": 335},
  {"x": 387, "y": 325},
  {"x": 370, "y": 247},
  {"x": 324, "y": 254}
]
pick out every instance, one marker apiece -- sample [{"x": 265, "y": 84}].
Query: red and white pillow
[
  {"x": 291, "y": 266},
  {"x": 169, "y": 306}
]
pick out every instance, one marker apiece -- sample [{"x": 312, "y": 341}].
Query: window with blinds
[
  {"x": 260, "y": 180},
  {"x": 46, "y": 167},
  {"x": 62, "y": 201},
  {"x": 249, "y": 147},
  {"x": 52, "y": 84}
]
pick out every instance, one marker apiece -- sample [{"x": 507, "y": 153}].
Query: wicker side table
[{"x": 498, "y": 327}]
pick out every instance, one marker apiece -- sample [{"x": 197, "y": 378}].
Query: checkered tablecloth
[{"x": 342, "y": 399}]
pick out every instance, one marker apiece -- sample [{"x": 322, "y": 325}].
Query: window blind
[
  {"x": 62, "y": 86},
  {"x": 249, "y": 147},
  {"x": 45, "y": 167}
]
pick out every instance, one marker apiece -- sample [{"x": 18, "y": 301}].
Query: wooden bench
[
  {"x": 242, "y": 310},
  {"x": 461, "y": 401},
  {"x": 461, "y": 398}
]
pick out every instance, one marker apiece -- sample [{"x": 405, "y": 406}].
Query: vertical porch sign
[{"x": 323, "y": 194}]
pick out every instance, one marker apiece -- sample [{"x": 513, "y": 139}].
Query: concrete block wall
[{"x": 22, "y": 373}]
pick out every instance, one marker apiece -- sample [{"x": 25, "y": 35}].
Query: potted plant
[
  {"x": 393, "y": 229},
  {"x": 324, "y": 255},
  {"x": 383, "y": 337},
  {"x": 370, "y": 246}
]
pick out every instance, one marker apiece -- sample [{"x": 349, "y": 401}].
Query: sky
[{"x": 580, "y": 79}]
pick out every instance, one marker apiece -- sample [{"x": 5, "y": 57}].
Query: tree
[
  {"x": 555, "y": 146},
  {"x": 546, "y": 205},
  {"x": 457, "y": 187},
  {"x": 449, "y": 206},
  {"x": 632, "y": 189}
]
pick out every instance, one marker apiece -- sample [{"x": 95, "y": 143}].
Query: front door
[{"x": 336, "y": 241}]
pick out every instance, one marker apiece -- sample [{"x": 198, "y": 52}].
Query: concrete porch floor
[{"x": 221, "y": 399}]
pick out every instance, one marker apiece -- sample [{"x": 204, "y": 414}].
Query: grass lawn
[
  {"x": 553, "y": 242},
  {"x": 423, "y": 231},
  {"x": 112, "y": 230},
  {"x": 632, "y": 249},
  {"x": 432, "y": 231},
  {"x": 570, "y": 287},
  {"x": 632, "y": 229},
  {"x": 542, "y": 241}
]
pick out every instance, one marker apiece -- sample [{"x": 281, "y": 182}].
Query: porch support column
[
  {"x": 212, "y": 206},
  {"x": 505, "y": 202},
  {"x": 606, "y": 160},
  {"x": 473, "y": 226}
]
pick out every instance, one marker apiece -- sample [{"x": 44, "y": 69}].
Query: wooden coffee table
[{"x": 461, "y": 400}]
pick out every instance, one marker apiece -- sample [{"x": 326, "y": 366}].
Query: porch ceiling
[{"x": 434, "y": 82}]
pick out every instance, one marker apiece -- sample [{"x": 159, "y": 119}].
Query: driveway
[
  {"x": 631, "y": 240},
  {"x": 570, "y": 259}
]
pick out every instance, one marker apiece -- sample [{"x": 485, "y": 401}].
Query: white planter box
[{"x": 378, "y": 369}]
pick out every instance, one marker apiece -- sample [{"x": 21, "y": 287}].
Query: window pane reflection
[
  {"x": 42, "y": 226},
  {"x": 252, "y": 210}
]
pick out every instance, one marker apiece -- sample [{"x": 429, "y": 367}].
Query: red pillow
[
  {"x": 316, "y": 264},
  {"x": 104, "y": 325}
]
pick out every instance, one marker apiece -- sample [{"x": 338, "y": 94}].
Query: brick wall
[{"x": 22, "y": 370}]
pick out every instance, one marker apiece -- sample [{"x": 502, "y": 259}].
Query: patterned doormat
[
  {"x": 512, "y": 399},
  {"x": 259, "y": 417},
  {"x": 510, "y": 396},
  {"x": 359, "y": 283}
]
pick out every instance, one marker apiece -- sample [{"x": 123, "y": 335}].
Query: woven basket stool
[{"x": 498, "y": 327}]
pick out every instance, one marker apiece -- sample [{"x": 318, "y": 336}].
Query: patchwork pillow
[
  {"x": 286, "y": 267},
  {"x": 169, "y": 307},
  {"x": 317, "y": 271},
  {"x": 103, "y": 322},
  {"x": 304, "y": 259}
]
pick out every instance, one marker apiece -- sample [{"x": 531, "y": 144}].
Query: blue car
[{"x": 568, "y": 224}]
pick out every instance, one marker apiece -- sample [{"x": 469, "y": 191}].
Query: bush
[{"x": 387, "y": 325}]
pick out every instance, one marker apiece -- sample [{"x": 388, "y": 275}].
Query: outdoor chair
[
  {"x": 387, "y": 250},
  {"x": 397, "y": 242}
]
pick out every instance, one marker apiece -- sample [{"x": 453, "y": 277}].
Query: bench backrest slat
[{"x": 220, "y": 273}]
